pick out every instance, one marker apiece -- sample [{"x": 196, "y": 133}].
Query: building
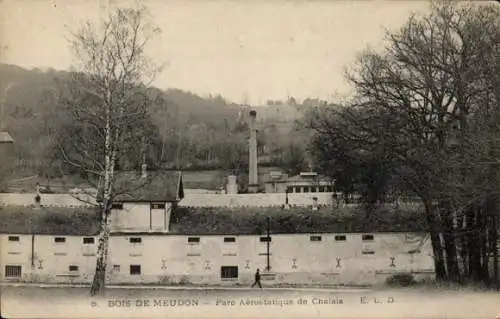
[
  {"x": 144, "y": 202},
  {"x": 5, "y": 138},
  {"x": 211, "y": 245},
  {"x": 305, "y": 182}
]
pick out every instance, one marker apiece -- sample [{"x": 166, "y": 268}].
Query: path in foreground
[{"x": 33, "y": 302}]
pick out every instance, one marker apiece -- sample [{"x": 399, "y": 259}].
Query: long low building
[
  {"x": 155, "y": 240},
  {"x": 213, "y": 246}
]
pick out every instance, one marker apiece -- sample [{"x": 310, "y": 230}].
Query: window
[
  {"x": 13, "y": 238},
  {"x": 367, "y": 237},
  {"x": 229, "y": 239},
  {"x": 135, "y": 269},
  {"x": 117, "y": 206},
  {"x": 73, "y": 268},
  {"x": 60, "y": 239},
  {"x": 193, "y": 240},
  {"x": 265, "y": 239},
  {"x": 315, "y": 238},
  {"x": 135, "y": 240},
  {"x": 157, "y": 205},
  {"x": 368, "y": 252},
  {"x": 88, "y": 240},
  {"x": 297, "y": 189},
  {"x": 12, "y": 271},
  {"x": 228, "y": 272},
  {"x": 340, "y": 238},
  {"x": 116, "y": 268}
]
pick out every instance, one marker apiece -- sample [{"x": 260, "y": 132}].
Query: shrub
[
  {"x": 184, "y": 280},
  {"x": 403, "y": 280}
]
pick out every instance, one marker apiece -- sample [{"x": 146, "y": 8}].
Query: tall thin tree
[{"x": 105, "y": 105}]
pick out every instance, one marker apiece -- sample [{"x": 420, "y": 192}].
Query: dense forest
[{"x": 187, "y": 131}]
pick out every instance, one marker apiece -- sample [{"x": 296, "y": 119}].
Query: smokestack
[
  {"x": 253, "y": 182},
  {"x": 144, "y": 166}
]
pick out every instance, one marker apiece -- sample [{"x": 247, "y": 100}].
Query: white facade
[
  {"x": 181, "y": 259},
  {"x": 140, "y": 216},
  {"x": 44, "y": 258}
]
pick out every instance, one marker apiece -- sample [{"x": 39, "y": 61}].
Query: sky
[{"x": 247, "y": 51}]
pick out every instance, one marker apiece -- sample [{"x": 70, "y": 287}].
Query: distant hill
[{"x": 192, "y": 128}]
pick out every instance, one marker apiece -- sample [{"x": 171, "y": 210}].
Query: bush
[{"x": 402, "y": 280}]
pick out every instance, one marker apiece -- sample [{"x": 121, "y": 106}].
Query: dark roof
[
  {"x": 49, "y": 220},
  {"x": 252, "y": 220},
  {"x": 5, "y": 137},
  {"x": 158, "y": 186},
  {"x": 312, "y": 178},
  {"x": 217, "y": 221}
]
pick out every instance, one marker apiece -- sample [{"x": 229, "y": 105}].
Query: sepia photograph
[{"x": 250, "y": 159}]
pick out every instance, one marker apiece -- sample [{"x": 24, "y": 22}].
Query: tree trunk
[
  {"x": 495, "y": 249},
  {"x": 109, "y": 160},
  {"x": 482, "y": 247},
  {"x": 98, "y": 283},
  {"x": 436, "y": 243},
  {"x": 450, "y": 244}
]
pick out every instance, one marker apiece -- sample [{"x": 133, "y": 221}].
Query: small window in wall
[
  {"x": 116, "y": 268},
  {"x": 59, "y": 239},
  {"x": 193, "y": 240},
  {"x": 340, "y": 238},
  {"x": 13, "y": 238},
  {"x": 73, "y": 268},
  {"x": 135, "y": 269},
  {"x": 368, "y": 252},
  {"x": 228, "y": 272},
  {"x": 367, "y": 237},
  {"x": 88, "y": 240},
  {"x": 229, "y": 239},
  {"x": 315, "y": 238},
  {"x": 12, "y": 271},
  {"x": 117, "y": 206},
  {"x": 265, "y": 239},
  {"x": 297, "y": 189},
  {"x": 157, "y": 205},
  {"x": 135, "y": 240}
]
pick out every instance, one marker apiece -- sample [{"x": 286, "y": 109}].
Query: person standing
[{"x": 257, "y": 279}]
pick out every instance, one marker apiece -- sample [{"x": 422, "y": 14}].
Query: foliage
[
  {"x": 424, "y": 121},
  {"x": 402, "y": 280}
]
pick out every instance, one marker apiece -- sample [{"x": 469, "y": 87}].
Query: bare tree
[
  {"x": 104, "y": 114},
  {"x": 423, "y": 105}
]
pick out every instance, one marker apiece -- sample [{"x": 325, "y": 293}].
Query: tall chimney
[
  {"x": 253, "y": 182},
  {"x": 144, "y": 166}
]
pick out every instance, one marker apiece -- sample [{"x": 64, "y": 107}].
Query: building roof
[
  {"x": 308, "y": 178},
  {"x": 5, "y": 137},
  {"x": 158, "y": 186},
  {"x": 252, "y": 220},
  {"x": 49, "y": 220},
  {"x": 215, "y": 221}
]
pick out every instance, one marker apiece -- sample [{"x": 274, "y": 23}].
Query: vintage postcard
[{"x": 249, "y": 159}]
